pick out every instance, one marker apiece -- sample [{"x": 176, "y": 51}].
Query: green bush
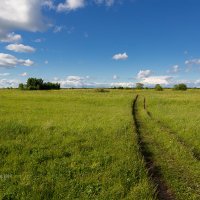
[
  {"x": 38, "y": 84},
  {"x": 101, "y": 90},
  {"x": 158, "y": 87},
  {"x": 21, "y": 86},
  {"x": 139, "y": 86},
  {"x": 180, "y": 86}
]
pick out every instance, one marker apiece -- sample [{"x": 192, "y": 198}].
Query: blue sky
[{"x": 100, "y": 43}]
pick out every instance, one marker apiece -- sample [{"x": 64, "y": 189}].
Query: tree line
[
  {"x": 38, "y": 84},
  {"x": 158, "y": 87}
]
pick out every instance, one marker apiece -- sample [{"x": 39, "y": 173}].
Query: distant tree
[
  {"x": 101, "y": 90},
  {"x": 180, "y": 86},
  {"x": 38, "y": 84},
  {"x": 139, "y": 86},
  {"x": 21, "y": 86},
  {"x": 34, "y": 84},
  {"x": 158, "y": 87}
]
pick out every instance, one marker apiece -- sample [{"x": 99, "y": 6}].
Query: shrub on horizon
[
  {"x": 158, "y": 87},
  {"x": 180, "y": 86},
  {"x": 101, "y": 90},
  {"x": 38, "y": 84},
  {"x": 139, "y": 86}
]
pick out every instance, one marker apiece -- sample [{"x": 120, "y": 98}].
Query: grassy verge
[{"x": 179, "y": 168}]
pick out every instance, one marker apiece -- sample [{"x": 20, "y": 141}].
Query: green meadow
[{"x": 86, "y": 144}]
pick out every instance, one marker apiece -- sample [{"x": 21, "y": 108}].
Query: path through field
[
  {"x": 155, "y": 175},
  {"x": 172, "y": 164}
]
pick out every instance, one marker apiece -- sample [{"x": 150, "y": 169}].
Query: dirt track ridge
[{"x": 163, "y": 192}]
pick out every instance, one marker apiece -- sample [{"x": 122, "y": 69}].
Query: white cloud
[
  {"x": 70, "y": 5},
  {"x": 175, "y": 69},
  {"x": 152, "y": 80},
  {"x": 73, "y": 81},
  {"x": 9, "y": 61},
  {"x": 106, "y": 2},
  {"x": 22, "y": 15},
  {"x": 20, "y": 48},
  {"x": 38, "y": 40},
  {"x": 144, "y": 74},
  {"x": 115, "y": 77},
  {"x": 8, "y": 83},
  {"x": 120, "y": 56},
  {"x": 197, "y": 82},
  {"x": 185, "y": 81},
  {"x": 24, "y": 74},
  {"x": 46, "y": 62},
  {"x": 192, "y": 62},
  {"x": 27, "y": 62},
  {"x": 56, "y": 79},
  {"x": 58, "y": 29},
  {"x": 123, "y": 84},
  {"x": 87, "y": 77},
  {"x": 10, "y": 37},
  {"x": 78, "y": 82},
  {"x": 48, "y": 3},
  {"x": 5, "y": 74}
]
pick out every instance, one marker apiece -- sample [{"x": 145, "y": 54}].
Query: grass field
[
  {"x": 170, "y": 127},
  {"x": 83, "y": 144}
]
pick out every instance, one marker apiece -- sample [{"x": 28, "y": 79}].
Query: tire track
[
  {"x": 163, "y": 192},
  {"x": 194, "y": 152}
]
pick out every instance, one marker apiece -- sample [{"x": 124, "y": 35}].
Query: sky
[{"x": 100, "y": 43}]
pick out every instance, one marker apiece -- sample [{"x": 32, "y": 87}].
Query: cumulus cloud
[
  {"x": 192, "y": 62},
  {"x": 123, "y": 84},
  {"x": 8, "y": 83},
  {"x": 21, "y": 14},
  {"x": 78, "y": 82},
  {"x": 152, "y": 80},
  {"x": 24, "y": 74},
  {"x": 70, "y": 5},
  {"x": 58, "y": 29},
  {"x": 73, "y": 81},
  {"x": 175, "y": 69},
  {"x": 9, "y": 61},
  {"x": 48, "y": 3},
  {"x": 144, "y": 74},
  {"x": 10, "y": 37},
  {"x": 20, "y": 48},
  {"x": 120, "y": 56},
  {"x": 197, "y": 82},
  {"x": 189, "y": 83},
  {"x": 115, "y": 77}
]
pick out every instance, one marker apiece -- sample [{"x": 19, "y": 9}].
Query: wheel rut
[
  {"x": 195, "y": 153},
  {"x": 162, "y": 190}
]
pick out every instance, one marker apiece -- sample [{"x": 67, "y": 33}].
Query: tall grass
[
  {"x": 70, "y": 144},
  {"x": 169, "y": 128}
]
